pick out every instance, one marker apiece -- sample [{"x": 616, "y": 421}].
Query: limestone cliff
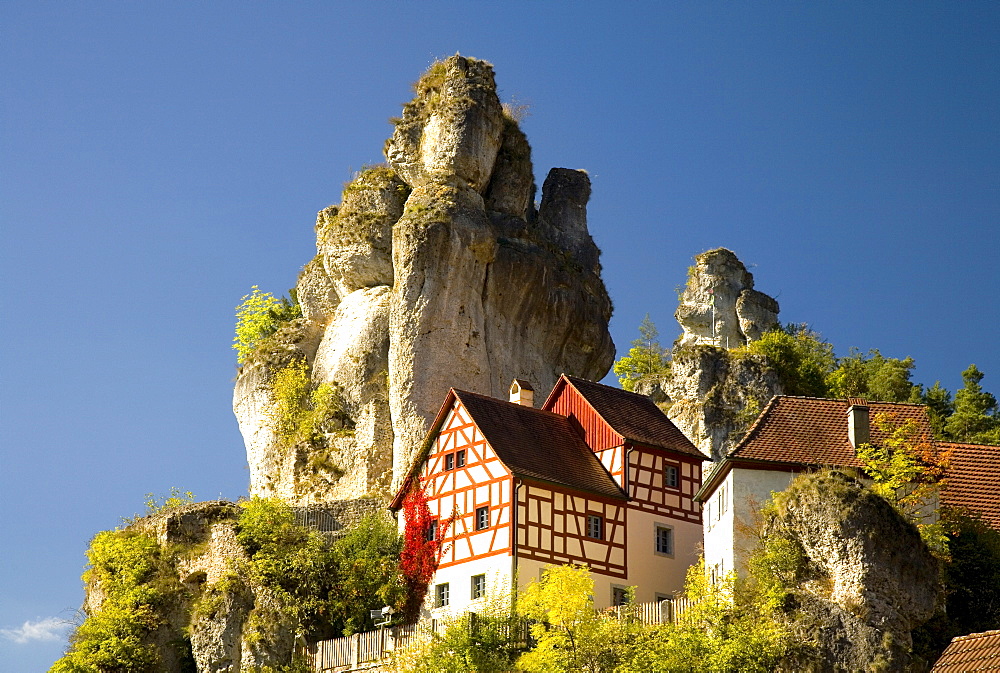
[
  {"x": 867, "y": 581},
  {"x": 713, "y": 389},
  {"x": 434, "y": 271}
]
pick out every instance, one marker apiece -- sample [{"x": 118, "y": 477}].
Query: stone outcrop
[
  {"x": 716, "y": 394},
  {"x": 232, "y": 623},
  {"x": 434, "y": 271},
  {"x": 714, "y": 390},
  {"x": 720, "y": 289},
  {"x": 870, "y": 579}
]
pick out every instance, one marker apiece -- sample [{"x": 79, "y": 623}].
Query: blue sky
[{"x": 159, "y": 158}]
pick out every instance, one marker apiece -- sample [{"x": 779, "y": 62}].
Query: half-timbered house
[{"x": 597, "y": 476}]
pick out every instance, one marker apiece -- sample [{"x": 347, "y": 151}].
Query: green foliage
[
  {"x": 327, "y": 589},
  {"x": 485, "y": 642},
  {"x": 176, "y": 498},
  {"x": 939, "y": 407},
  {"x": 906, "y": 470},
  {"x": 646, "y": 360},
  {"x": 972, "y": 577},
  {"x": 259, "y": 315},
  {"x": 976, "y": 417},
  {"x": 303, "y": 412},
  {"x": 873, "y": 377},
  {"x": 802, "y": 358},
  {"x": 569, "y": 634},
  {"x": 135, "y": 578}
]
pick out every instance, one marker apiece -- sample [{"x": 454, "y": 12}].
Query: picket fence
[{"x": 365, "y": 650}]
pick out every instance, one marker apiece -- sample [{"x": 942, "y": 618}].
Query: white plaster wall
[
  {"x": 652, "y": 573},
  {"x": 726, "y": 545},
  {"x": 459, "y": 577}
]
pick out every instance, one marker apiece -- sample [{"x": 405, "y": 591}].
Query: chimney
[
  {"x": 858, "y": 426},
  {"x": 522, "y": 393}
]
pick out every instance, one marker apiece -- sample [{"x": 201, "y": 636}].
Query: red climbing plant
[{"x": 422, "y": 548}]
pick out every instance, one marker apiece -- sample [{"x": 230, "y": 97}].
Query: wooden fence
[{"x": 365, "y": 650}]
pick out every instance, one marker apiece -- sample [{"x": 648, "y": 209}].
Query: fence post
[{"x": 355, "y": 649}]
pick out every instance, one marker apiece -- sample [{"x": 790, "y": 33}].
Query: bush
[{"x": 259, "y": 315}]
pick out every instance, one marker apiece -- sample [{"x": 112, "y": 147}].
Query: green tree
[
  {"x": 801, "y": 357},
  {"x": 646, "y": 360},
  {"x": 975, "y": 418},
  {"x": 939, "y": 407},
  {"x": 906, "y": 469},
  {"x": 569, "y": 634},
  {"x": 872, "y": 376}
]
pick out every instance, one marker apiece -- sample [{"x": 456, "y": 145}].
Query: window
[
  {"x": 432, "y": 529},
  {"x": 595, "y": 526},
  {"x": 441, "y": 595},
  {"x": 619, "y": 596},
  {"x": 460, "y": 458},
  {"x": 482, "y": 518},
  {"x": 449, "y": 462},
  {"x": 670, "y": 476},
  {"x": 721, "y": 504},
  {"x": 478, "y": 586},
  {"x": 664, "y": 539}
]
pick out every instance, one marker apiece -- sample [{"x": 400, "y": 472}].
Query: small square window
[
  {"x": 442, "y": 593},
  {"x": 482, "y": 518},
  {"x": 664, "y": 540},
  {"x": 478, "y": 586},
  {"x": 670, "y": 476},
  {"x": 432, "y": 530},
  {"x": 595, "y": 527},
  {"x": 460, "y": 458},
  {"x": 449, "y": 462},
  {"x": 619, "y": 596}
]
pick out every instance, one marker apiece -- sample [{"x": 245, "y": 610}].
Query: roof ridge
[
  {"x": 604, "y": 385},
  {"x": 459, "y": 392},
  {"x": 993, "y": 632}
]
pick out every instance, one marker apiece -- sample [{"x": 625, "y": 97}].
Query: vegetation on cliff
[
  {"x": 806, "y": 364},
  {"x": 259, "y": 315}
]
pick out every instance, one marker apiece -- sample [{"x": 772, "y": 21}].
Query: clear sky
[{"x": 159, "y": 158}]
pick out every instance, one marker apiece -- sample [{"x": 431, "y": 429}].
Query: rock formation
[
  {"x": 720, "y": 289},
  {"x": 869, "y": 579},
  {"x": 434, "y": 271},
  {"x": 714, "y": 390}
]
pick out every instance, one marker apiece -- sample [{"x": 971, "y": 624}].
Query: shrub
[{"x": 259, "y": 315}]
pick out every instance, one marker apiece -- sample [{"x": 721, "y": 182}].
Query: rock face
[
  {"x": 716, "y": 394},
  {"x": 435, "y": 271},
  {"x": 713, "y": 391},
  {"x": 871, "y": 579},
  {"x": 720, "y": 287}
]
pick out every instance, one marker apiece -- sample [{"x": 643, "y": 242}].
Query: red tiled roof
[
  {"x": 974, "y": 652},
  {"x": 813, "y": 431},
  {"x": 538, "y": 444},
  {"x": 973, "y": 481},
  {"x": 634, "y": 417}
]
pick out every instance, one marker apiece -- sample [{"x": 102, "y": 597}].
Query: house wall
[
  {"x": 552, "y": 528},
  {"x": 458, "y": 492},
  {"x": 498, "y": 570},
  {"x": 731, "y": 508}
]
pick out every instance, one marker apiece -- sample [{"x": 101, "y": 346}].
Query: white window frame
[
  {"x": 477, "y": 591},
  {"x": 442, "y": 595},
  {"x": 595, "y": 523}
]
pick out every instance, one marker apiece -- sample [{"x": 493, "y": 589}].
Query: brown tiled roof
[
  {"x": 974, "y": 652},
  {"x": 973, "y": 481},
  {"x": 813, "y": 431},
  {"x": 634, "y": 417},
  {"x": 538, "y": 444}
]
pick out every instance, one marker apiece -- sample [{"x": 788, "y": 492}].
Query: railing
[{"x": 363, "y": 650}]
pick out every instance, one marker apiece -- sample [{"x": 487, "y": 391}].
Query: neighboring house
[
  {"x": 791, "y": 435},
  {"x": 972, "y": 483},
  {"x": 597, "y": 476},
  {"x": 974, "y": 652}
]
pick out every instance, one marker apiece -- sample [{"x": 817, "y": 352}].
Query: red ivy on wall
[{"x": 421, "y": 551}]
